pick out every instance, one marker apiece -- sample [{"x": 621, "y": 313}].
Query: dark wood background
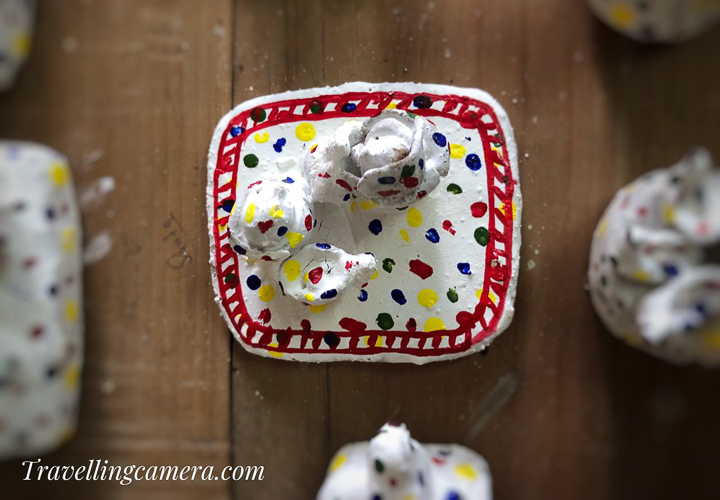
[{"x": 133, "y": 89}]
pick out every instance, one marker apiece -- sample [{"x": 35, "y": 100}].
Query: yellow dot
[
  {"x": 466, "y": 471},
  {"x": 294, "y": 239},
  {"x": 642, "y": 276},
  {"x": 414, "y": 217},
  {"x": 392, "y": 105},
  {"x": 602, "y": 229},
  {"x": 72, "y": 376},
  {"x": 622, "y": 15},
  {"x": 21, "y": 45},
  {"x": 276, "y": 212},
  {"x": 353, "y": 206},
  {"x": 410, "y": 497},
  {"x": 457, "y": 151},
  {"x": 250, "y": 213},
  {"x": 68, "y": 239},
  {"x": 375, "y": 275},
  {"x": 712, "y": 339},
  {"x": 427, "y": 298},
  {"x": 434, "y": 324},
  {"x": 317, "y": 309},
  {"x": 338, "y": 462},
  {"x": 305, "y": 132},
  {"x": 59, "y": 173},
  {"x": 222, "y": 227},
  {"x": 266, "y": 293},
  {"x": 291, "y": 268},
  {"x": 309, "y": 297},
  {"x": 71, "y": 311},
  {"x": 404, "y": 236},
  {"x": 262, "y": 137},
  {"x": 274, "y": 354},
  {"x": 514, "y": 209},
  {"x": 669, "y": 214},
  {"x": 368, "y": 204}
]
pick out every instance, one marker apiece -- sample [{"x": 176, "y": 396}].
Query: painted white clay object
[
  {"x": 393, "y": 466},
  {"x": 40, "y": 300},
  {"x": 665, "y": 21},
  {"x": 17, "y": 18},
  {"x": 650, "y": 278},
  {"x": 374, "y": 222}
]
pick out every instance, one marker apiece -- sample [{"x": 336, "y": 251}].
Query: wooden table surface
[{"x": 133, "y": 89}]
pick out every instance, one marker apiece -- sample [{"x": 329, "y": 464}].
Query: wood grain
[{"x": 558, "y": 407}]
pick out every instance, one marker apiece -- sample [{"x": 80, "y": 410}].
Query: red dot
[
  {"x": 478, "y": 209},
  {"x": 308, "y": 222},
  {"x": 37, "y": 332}
]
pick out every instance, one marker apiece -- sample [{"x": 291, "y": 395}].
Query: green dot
[
  {"x": 482, "y": 236},
  {"x": 407, "y": 170},
  {"x": 385, "y": 321},
  {"x": 229, "y": 278},
  {"x": 452, "y": 295},
  {"x": 388, "y": 264},
  {"x": 454, "y": 189},
  {"x": 379, "y": 467},
  {"x": 411, "y": 114},
  {"x": 316, "y": 106},
  {"x": 251, "y": 161},
  {"x": 258, "y": 115}
]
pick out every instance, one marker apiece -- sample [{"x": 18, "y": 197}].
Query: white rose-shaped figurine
[
  {"x": 393, "y": 159},
  {"x": 272, "y": 219},
  {"x": 320, "y": 273}
]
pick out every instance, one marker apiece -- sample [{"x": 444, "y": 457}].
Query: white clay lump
[{"x": 393, "y": 466}]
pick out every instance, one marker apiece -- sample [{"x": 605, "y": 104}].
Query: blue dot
[
  {"x": 464, "y": 268},
  {"x": 670, "y": 270},
  {"x": 452, "y": 495},
  {"x": 421, "y": 162},
  {"x": 387, "y": 180},
  {"x": 228, "y": 204},
  {"x": 375, "y": 226},
  {"x": 324, "y": 246},
  {"x": 50, "y": 213},
  {"x": 439, "y": 139},
  {"x": 236, "y": 131},
  {"x": 422, "y": 102},
  {"x": 398, "y": 296},
  {"x": 282, "y": 230},
  {"x": 329, "y": 294},
  {"x": 239, "y": 249},
  {"x": 432, "y": 235},
  {"x": 253, "y": 282},
  {"x": 288, "y": 180},
  {"x": 473, "y": 162},
  {"x": 346, "y": 197},
  {"x": 700, "y": 307},
  {"x": 278, "y": 146},
  {"x": 376, "y": 497},
  {"x": 348, "y": 107},
  {"x": 363, "y": 296}
]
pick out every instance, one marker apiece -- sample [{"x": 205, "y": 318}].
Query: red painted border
[{"x": 466, "y": 111}]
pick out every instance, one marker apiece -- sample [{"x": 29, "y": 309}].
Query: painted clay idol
[
  {"x": 653, "y": 277},
  {"x": 374, "y": 222},
  {"x": 393, "y": 466},
  {"x": 40, "y": 300},
  {"x": 16, "y": 25},
  {"x": 664, "y": 21}
]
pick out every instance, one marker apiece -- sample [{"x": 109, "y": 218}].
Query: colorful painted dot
[
  {"x": 414, "y": 217},
  {"x": 240, "y": 250},
  {"x": 294, "y": 239},
  {"x": 421, "y": 163},
  {"x": 422, "y": 102},
  {"x": 398, "y": 296},
  {"x": 309, "y": 297},
  {"x": 291, "y": 268},
  {"x": 68, "y": 239},
  {"x": 454, "y": 189},
  {"x": 276, "y": 212},
  {"x": 407, "y": 171},
  {"x": 368, "y": 204},
  {"x": 348, "y": 107},
  {"x": 387, "y": 180},
  {"x": 375, "y": 226},
  {"x": 305, "y": 131},
  {"x": 338, "y": 462},
  {"x": 59, "y": 173},
  {"x": 482, "y": 236},
  {"x": 453, "y": 495},
  {"x": 363, "y": 296},
  {"x": 250, "y": 213},
  {"x": 331, "y": 339},
  {"x": 427, "y": 298},
  {"x": 457, "y": 151},
  {"x": 266, "y": 293},
  {"x": 434, "y": 324},
  {"x": 229, "y": 278},
  {"x": 317, "y": 309},
  {"x": 282, "y": 230},
  {"x": 464, "y": 268},
  {"x": 329, "y": 294},
  {"x": 466, "y": 471},
  {"x": 432, "y": 235},
  {"x": 478, "y": 209},
  {"x": 72, "y": 311},
  {"x": 404, "y": 235},
  {"x": 251, "y": 161},
  {"x": 388, "y": 264},
  {"x": 670, "y": 270},
  {"x": 253, "y": 282},
  {"x": 420, "y": 268},
  {"x": 316, "y": 106},
  {"x": 452, "y": 295},
  {"x": 375, "y": 275},
  {"x": 258, "y": 115},
  {"x": 473, "y": 162},
  {"x": 261, "y": 137},
  {"x": 228, "y": 204},
  {"x": 323, "y": 246},
  {"x": 385, "y": 321},
  {"x": 236, "y": 131},
  {"x": 439, "y": 139},
  {"x": 264, "y": 226},
  {"x": 279, "y": 145}
]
